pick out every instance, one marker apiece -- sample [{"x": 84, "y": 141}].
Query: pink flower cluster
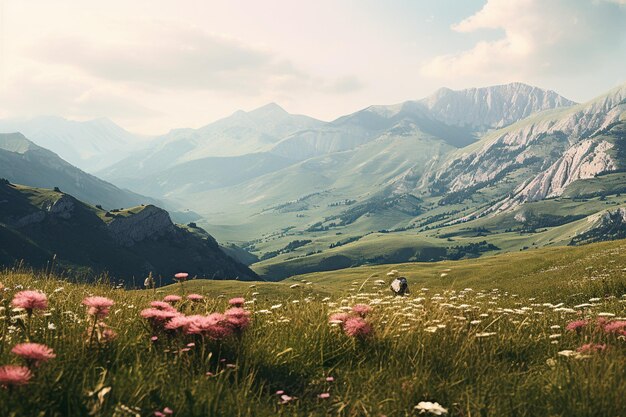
[
  {"x": 163, "y": 317},
  {"x": 30, "y": 300},
  {"x": 591, "y": 347},
  {"x": 34, "y": 354},
  {"x": 237, "y": 301},
  {"x": 603, "y": 327},
  {"x": 195, "y": 297},
  {"x": 14, "y": 375},
  {"x": 362, "y": 309},
  {"x": 172, "y": 298},
  {"x": 576, "y": 325},
  {"x": 98, "y": 306},
  {"x": 616, "y": 327},
  {"x": 181, "y": 276},
  {"x": 354, "y": 325}
]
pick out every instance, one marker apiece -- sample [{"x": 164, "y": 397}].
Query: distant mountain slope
[
  {"x": 239, "y": 134},
  {"x": 318, "y": 188},
  {"x": 205, "y": 174},
  {"x": 544, "y": 152},
  {"x": 357, "y": 129},
  {"x": 23, "y": 162},
  {"x": 90, "y": 145},
  {"x": 453, "y": 116},
  {"x": 491, "y": 107},
  {"x": 36, "y": 224}
]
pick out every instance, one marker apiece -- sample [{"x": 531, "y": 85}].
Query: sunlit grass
[{"x": 483, "y": 350}]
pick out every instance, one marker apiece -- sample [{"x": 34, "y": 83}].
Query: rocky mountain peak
[{"x": 491, "y": 107}]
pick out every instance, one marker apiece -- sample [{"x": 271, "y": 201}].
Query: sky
[{"x": 154, "y": 65}]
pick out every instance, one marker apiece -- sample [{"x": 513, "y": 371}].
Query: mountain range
[
  {"x": 24, "y": 162},
  {"x": 89, "y": 145},
  {"x": 456, "y": 174}
]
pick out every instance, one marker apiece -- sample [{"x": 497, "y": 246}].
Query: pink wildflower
[
  {"x": 158, "y": 318},
  {"x": 324, "y": 395},
  {"x": 13, "y": 375},
  {"x": 172, "y": 298},
  {"x": 30, "y": 300},
  {"x": 238, "y": 318},
  {"x": 98, "y": 306},
  {"x": 33, "y": 353},
  {"x": 576, "y": 325},
  {"x": 601, "y": 321},
  {"x": 181, "y": 276},
  {"x": 180, "y": 323},
  {"x": 214, "y": 326},
  {"x": 329, "y": 379},
  {"x": 162, "y": 305},
  {"x": 615, "y": 326},
  {"x": 361, "y": 309},
  {"x": 338, "y": 318},
  {"x": 591, "y": 347},
  {"x": 195, "y": 297},
  {"x": 357, "y": 327},
  {"x": 237, "y": 301},
  {"x": 280, "y": 392}
]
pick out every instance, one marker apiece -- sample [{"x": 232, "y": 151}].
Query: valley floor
[{"x": 537, "y": 333}]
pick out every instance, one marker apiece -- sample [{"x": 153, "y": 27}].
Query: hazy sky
[{"x": 155, "y": 65}]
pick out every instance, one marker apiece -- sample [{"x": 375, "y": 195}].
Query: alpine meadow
[{"x": 205, "y": 212}]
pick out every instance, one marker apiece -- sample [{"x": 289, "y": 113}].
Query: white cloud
[
  {"x": 172, "y": 57},
  {"x": 150, "y": 74},
  {"x": 539, "y": 37}
]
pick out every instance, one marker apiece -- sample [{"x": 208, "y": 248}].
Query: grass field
[{"x": 482, "y": 337}]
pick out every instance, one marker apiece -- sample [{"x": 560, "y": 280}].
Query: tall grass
[{"x": 477, "y": 352}]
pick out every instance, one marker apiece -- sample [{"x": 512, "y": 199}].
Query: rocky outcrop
[
  {"x": 584, "y": 160},
  {"x": 63, "y": 207},
  {"x": 491, "y": 107},
  {"x": 150, "y": 223},
  {"x": 606, "y": 225}
]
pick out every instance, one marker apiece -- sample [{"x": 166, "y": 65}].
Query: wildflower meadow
[{"x": 300, "y": 348}]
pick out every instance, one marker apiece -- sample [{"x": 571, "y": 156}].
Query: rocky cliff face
[
  {"x": 62, "y": 208},
  {"x": 585, "y": 159},
  {"x": 150, "y": 223},
  {"x": 491, "y": 107},
  {"x": 552, "y": 134}
]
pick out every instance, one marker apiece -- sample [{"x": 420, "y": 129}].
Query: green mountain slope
[
  {"x": 39, "y": 224},
  {"x": 23, "y": 162}
]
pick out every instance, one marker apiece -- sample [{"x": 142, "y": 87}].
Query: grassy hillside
[
  {"x": 434, "y": 235},
  {"x": 50, "y": 229},
  {"x": 478, "y": 337}
]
